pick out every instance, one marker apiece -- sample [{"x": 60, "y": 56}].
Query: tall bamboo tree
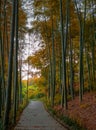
[
  {"x": 9, "y": 86},
  {"x": 53, "y": 65},
  {"x": 81, "y": 24},
  {"x": 16, "y": 63}
]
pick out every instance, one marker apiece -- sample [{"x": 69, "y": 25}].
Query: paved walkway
[{"x": 35, "y": 117}]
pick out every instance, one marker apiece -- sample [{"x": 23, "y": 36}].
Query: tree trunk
[
  {"x": 64, "y": 42},
  {"x": 9, "y": 86},
  {"x": 16, "y": 64},
  {"x": 53, "y": 65}
]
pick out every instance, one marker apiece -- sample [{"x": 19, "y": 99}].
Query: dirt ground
[{"x": 85, "y": 112}]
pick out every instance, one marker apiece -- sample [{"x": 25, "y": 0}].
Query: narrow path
[{"x": 35, "y": 117}]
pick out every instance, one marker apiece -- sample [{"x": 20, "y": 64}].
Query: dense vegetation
[
  {"x": 66, "y": 59},
  {"x": 68, "y": 56},
  {"x": 12, "y": 26}
]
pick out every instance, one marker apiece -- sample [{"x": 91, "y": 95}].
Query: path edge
[{"x": 56, "y": 118}]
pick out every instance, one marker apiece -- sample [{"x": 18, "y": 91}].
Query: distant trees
[{"x": 73, "y": 46}]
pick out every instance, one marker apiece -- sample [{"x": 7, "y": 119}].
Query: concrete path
[{"x": 35, "y": 117}]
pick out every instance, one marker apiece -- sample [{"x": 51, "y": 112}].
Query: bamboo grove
[
  {"x": 12, "y": 23},
  {"x": 67, "y": 59},
  {"x": 68, "y": 31}
]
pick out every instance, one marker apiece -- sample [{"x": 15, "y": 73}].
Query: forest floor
[
  {"x": 84, "y": 113},
  {"x": 35, "y": 117}
]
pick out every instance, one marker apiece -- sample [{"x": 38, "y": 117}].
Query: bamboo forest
[{"x": 48, "y": 57}]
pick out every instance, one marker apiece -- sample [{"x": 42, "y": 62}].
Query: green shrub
[{"x": 40, "y": 95}]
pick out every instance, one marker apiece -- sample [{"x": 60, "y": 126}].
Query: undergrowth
[{"x": 72, "y": 124}]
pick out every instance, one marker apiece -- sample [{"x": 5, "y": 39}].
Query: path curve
[{"x": 35, "y": 117}]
